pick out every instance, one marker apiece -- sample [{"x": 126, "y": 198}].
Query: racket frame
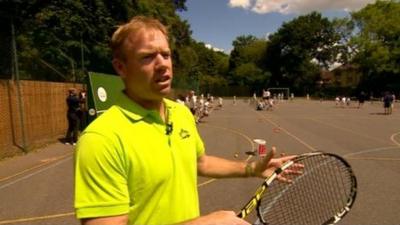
[{"x": 254, "y": 202}]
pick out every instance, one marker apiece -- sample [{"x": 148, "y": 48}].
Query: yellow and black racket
[{"x": 323, "y": 194}]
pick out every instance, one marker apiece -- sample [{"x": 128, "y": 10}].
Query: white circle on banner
[
  {"x": 92, "y": 112},
  {"x": 102, "y": 94}
]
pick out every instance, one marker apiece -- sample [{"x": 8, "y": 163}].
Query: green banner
[{"x": 102, "y": 93}]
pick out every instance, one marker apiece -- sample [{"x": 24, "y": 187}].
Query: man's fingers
[
  {"x": 270, "y": 155},
  {"x": 287, "y": 158},
  {"x": 296, "y": 167},
  {"x": 281, "y": 178},
  {"x": 290, "y": 171}
]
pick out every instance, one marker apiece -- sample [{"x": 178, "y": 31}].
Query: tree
[
  {"x": 53, "y": 37},
  {"x": 60, "y": 40},
  {"x": 236, "y": 57},
  {"x": 378, "y": 43},
  {"x": 346, "y": 50},
  {"x": 245, "y": 63},
  {"x": 299, "y": 49}
]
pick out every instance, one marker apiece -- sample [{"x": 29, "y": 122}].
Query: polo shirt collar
[{"x": 135, "y": 111}]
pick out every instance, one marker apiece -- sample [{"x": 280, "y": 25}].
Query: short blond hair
[{"x": 135, "y": 25}]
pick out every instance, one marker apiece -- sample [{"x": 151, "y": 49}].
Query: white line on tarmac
[
  {"x": 233, "y": 131},
  {"x": 34, "y": 173},
  {"x": 371, "y": 150},
  {"x": 287, "y": 132},
  {"x": 393, "y": 139}
]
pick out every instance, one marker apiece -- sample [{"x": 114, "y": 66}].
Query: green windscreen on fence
[{"x": 102, "y": 92}]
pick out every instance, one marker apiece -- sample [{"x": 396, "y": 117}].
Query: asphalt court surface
[{"x": 38, "y": 188}]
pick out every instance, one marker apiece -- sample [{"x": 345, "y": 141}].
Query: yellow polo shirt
[{"x": 126, "y": 163}]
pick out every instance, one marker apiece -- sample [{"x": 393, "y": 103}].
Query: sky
[{"x": 218, "y": 23}]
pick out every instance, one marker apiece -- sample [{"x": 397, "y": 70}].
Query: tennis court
[
  {"x": 37, "y": 188},
  {"x": 368, "y": 139}
]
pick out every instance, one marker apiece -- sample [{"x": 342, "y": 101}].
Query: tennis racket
[{"x": 323, "y": 194}]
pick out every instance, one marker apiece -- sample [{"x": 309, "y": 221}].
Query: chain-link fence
[
  {"x": 35, "y": 117},
  {"x": 32, "y": 112}
]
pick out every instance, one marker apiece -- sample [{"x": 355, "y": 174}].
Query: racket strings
[
  {"x": 343, "y": 179},
  {"x": 313, "y": 197}
]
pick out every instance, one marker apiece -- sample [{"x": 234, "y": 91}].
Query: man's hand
[
  {"x": 266, "y": 166},
  {"x": 218, "y": 218}
]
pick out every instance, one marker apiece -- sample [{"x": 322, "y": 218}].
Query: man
[
  {"x": 192, "y": 102},
  {"x": 387, "y": 103},
  {"x": 138, "y": 162},
  {"x": 73, "y": 117},
  {"x": 361, "y": 99}
]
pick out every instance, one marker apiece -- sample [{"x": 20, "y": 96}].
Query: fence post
[{"x": 16, "y": 77}]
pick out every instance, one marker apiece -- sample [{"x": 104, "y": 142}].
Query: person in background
[
  {"x": 361, "y": 99},
  {"x": 266, "y": 95},
  {"x": 337, "y": 101},
  {"x": 73, "y": 116},
  {"x": 387, "y": 103},
  {"x": 83, "y": 110},
  {"x": 138, "y": 162},
  {"x": 192, "y": 101},
  {"x": 393, "y": 101},
  {"x": 181, "y": 99},
  {"x": 220, "y": 100}
]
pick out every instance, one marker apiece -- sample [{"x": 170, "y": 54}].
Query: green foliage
[
  {"x": 199, "y": 68},
  {"x": 239, "y": 45},
  {"x": 378, "y": 44},
  {"x": 248, "y": 74},
  {"x": 245, "y": 63},
  {"x": 299, "y": 48},
  {"x": 346, "y": 50},
  {"x": 62, "y": 39}
]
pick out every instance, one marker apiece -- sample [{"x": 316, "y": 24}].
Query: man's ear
[{"x": 119, "y": 67}]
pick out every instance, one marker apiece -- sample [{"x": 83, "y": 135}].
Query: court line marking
[
  {"x": 374, "y": 158},
  {"x": 233, "y": 131},
  {"x": 370, "y": 150},
  {"x": 34, "y": 173},
  {"x": 72, "y": 213},
  {"x": 393, "y": 139},
  {"x": 199, "y": 185},
  {"x": 287, "y": 132},
  {"x": 65, "y": 158},
  {"x": 37, "y": 218},
  {"x": 206, "y": 182},
  {"x": 35, "y": 167},
  {"x": 347, "y": 130},
  {"x": 345, "y": 155},
  {"x": 209, "y": 181}
]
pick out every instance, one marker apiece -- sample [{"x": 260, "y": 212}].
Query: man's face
[{"x": 147, "y": 68}]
